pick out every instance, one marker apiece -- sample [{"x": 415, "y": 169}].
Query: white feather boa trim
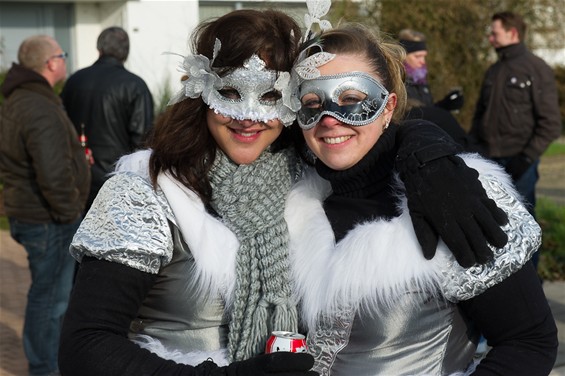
[
  {"x": 220, "y": 357},
  {"x": 328, "y": 276},
  {"x": 211, "y": 243}
]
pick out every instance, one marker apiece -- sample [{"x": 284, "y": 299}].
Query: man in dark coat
[
  {"x": 46, "y": 181},
  {"x": 111, "y": 106},
  {"x": 517, "y": 114}
]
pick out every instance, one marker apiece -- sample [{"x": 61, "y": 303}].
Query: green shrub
[
  {"x": 551, "y": 218},
  {"x": 560, "y": 77},
  {"x": 4, "y": 223},
  {"x": 555, "y": 148},
  {"x": 2, "y": 77}
]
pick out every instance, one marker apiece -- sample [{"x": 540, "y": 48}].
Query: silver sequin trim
[
  {"x": 524, "y": 238},
  {"x": 127, "y": 224}
]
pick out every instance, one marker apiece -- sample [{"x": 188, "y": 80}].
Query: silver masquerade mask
[
  {"x": 253, "y": 92},
  {"x": 354, "y": 98},
  {"x": 250, "y": 92}
]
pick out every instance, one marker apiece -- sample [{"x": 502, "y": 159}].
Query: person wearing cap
[
  {"x": 46, "y": 180},
  {"x": 417, "y": 88}
]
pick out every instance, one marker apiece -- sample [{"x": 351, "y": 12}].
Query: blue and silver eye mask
[{"x": 354, "y": 98}]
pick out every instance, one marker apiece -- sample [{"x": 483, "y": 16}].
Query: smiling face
[
  {"x": 337, "y": 144},
  {"x": 242, "y": 141},
  {"x": 244, "y": 114}
]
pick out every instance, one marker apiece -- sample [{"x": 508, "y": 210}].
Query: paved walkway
[{"x": 14, "y": 282}]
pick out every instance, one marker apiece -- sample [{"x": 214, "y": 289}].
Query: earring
[{"x": 387, "y": 123}]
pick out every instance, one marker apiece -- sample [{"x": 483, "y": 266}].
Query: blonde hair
[
  {"x": 411, "y": 35},
  {"x": 35, "y": 51}
]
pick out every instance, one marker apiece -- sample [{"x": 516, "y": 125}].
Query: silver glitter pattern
[
  {"x": 524, "y": 238},
  {"x": 128, "y": 224}
]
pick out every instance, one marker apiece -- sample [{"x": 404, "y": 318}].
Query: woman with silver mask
[
  {"x": 184, "y": 267},
  {"x": 372, "y": 304},
  {"x": 184, "y": 253}
]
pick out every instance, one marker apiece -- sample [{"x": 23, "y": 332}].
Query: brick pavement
[
  {"x": 15, "y": 280},
  {"x": 14, "y": 283}
]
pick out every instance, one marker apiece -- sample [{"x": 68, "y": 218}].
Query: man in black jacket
[
  {"x": 517, "y": 114},
  {"x": 111, "y": 106},
  {"x": 46, "y": 181}
]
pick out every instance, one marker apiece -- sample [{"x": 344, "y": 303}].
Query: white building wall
[
  {"x": 153, "y": 26},
  {"x": 84, "y": 34},
  {"x": 156, "y": 27},
  {"x": 554, "y": 57}
]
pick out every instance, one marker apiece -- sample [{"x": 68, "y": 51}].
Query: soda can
[{"x": 285, "y": 341}]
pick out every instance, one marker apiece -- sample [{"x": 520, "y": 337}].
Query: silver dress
[
  {"x": 183, "y": 316},
  {"x": 373, "y": 305}
]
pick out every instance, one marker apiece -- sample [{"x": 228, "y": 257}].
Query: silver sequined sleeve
[
  {"x": 127, "y": 224},
  {"x": 524, "y": 238}
]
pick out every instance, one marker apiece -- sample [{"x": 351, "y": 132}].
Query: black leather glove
[
  {"x": 445, "y": 197},
  {"x": 518, "y": 165},
  {"x": 454, "y": 100},
  {"x": 278, "y": 363}
]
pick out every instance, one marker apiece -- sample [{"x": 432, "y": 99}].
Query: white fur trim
[
  {"x": 328, "y": 276},
  {"x": 211, "y": 243},
  {"x": 220, "y": 357},
  {"x": 137, "y": 163}
]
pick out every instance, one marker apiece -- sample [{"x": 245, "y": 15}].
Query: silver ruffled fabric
[
  {"x": 524, "y": 238},
  {"x": 127, "y": 224}
]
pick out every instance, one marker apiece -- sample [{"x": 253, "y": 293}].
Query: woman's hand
[
  {"x": 275, "y": 364},
  {"x": 445, "y": 196}
]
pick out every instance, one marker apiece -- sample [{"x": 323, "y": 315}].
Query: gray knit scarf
[{"x": 251, "y": 199}]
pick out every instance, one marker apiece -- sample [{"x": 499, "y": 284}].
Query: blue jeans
[
  {"x": 526, "y": 186},
  {"x": 52, "y": 267}
]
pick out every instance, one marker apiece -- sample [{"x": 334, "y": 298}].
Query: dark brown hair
[
  {"x": 181, "y": 142},
  {"x": 511, "y": 20}
]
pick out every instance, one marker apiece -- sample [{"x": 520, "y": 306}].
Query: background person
[
  {"x": 114, "y": 106},
  {"x": 517, "y": 113},
  {"x": 417, "y": 87},
  {"x": 420, "y": 102},
  {"x": 46, "y": 181}
]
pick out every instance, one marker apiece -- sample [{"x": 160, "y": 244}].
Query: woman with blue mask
[{"x": 372, "y": 304}]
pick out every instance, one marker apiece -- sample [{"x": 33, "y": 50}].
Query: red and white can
[{"x": 285, "y": 341}]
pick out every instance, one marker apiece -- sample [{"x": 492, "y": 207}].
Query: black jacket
[
  {"x": 116, "y": 109},
  {"x": 419, "y": 92},
  {"x": 518, "y": 110},
  {"x": 43, "y": 166}
]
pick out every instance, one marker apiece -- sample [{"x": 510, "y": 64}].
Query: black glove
[
  {"x": 454, "y": 100},
  {"x": 278, "y": 364},
  {"x": 445, "y": 197},
  {"x": 518, "y": 165}
]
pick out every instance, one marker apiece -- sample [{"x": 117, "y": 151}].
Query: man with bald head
[{"x": 46, "y": 179}]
